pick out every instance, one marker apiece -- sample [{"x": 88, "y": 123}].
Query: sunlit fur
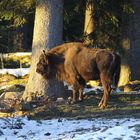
[{"x": 76, "y": 64}]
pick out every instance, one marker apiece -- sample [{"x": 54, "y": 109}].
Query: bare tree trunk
[
  {"x": 89, "y": 24},
  {"x": 47, "y": 33},
  {"x": 134, "y": 30},
  {"x": 2, "y": 63},
  {"x": 125, "y": 75},
  {"x": 130, "y": 69}
]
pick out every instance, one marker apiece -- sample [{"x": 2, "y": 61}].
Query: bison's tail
[
  {"x": 118, "y": 69},
  {"x": 115, "y": 69}
]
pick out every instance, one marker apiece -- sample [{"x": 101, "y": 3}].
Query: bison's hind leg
[{"x": 106, "y": 83}]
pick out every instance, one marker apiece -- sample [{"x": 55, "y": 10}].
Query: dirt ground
[{"x": 120, "y": 105}]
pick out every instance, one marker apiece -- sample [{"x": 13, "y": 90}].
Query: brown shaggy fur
[{"x": 77, "y": 64}]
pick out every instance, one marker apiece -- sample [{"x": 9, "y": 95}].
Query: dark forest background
[
  {"x": 116, "y": 27},
  {"x": 110, "y": 19}
]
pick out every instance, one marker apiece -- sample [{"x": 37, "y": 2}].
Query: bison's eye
[{"x": 45, "y": 67}]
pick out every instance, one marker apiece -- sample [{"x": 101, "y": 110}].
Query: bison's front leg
[
  {"x": 74, "y": 96},
  {"x": 81, "y": 96},
  {"x": 77, "y": 88}
]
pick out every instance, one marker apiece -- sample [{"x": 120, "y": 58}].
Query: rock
[
  {"x": 10, "y": 101},
  {"x": 132, "y": 86},
  {"x": 136, "y": 82},
  {"x": 26, "y": 106},
  {"x": 128, "y": 88},
  {"x": 59, "y": 120},
  {"x": 10, "y": 95},
  {"x": 60, "y": 100},
  {"x": 47, "y": 134}
]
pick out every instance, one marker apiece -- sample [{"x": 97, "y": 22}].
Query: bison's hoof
[
  {"x": 80, "y": 100},
  {"x": 102, "y": 106},
  {"x": 73, "y": 102}
]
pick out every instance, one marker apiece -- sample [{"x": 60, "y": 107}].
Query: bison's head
[{"x": 44, "y": 66}]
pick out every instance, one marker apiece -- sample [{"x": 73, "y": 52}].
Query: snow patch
[
  {"x": 16, "y": 72},
  {"x": 107, "y": 129}
]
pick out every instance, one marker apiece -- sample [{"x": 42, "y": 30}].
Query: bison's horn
[{"x": 44, "y": 51}]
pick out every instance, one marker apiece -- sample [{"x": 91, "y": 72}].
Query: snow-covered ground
[
  {"x": 63, "y": 129},
  {"x": 16, "y": 72}
]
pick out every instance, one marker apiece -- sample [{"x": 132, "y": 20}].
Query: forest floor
[
  {"x": 58, "y": 120},
  {"x": 120, "y": 104}
]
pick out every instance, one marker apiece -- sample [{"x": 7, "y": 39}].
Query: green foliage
[
  {"x": 73, "y": 20},
  {"x": 8, "y": 63},
  {"x": 15, "y": 61},
  {"x": 6, "y": 35},
  {"x": 109, "y": 18},
  {"x": 15, "y": 10},
  {"x": 13, "y": 15},
  {"x": 109, "y": 22}
]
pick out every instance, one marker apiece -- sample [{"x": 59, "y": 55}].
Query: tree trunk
[
  {"x": 2, "y": 63},
  {"x": 125, "y": 75},
  {"x": 130, "y": 69},
  {"x": 134, "y": 31},
  {"x": 89, "y": 24},
  {"x": 47, "y": 33}
]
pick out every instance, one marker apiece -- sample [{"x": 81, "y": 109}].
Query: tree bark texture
[
  {"x": 130, "y": 69},
  {"x": 134, "y": 31},
  {"x": 89, "y": 24},
  {"x": 47, "y": 33}
]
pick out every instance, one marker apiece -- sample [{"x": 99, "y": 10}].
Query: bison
[{"x": 76, "y": 64}]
